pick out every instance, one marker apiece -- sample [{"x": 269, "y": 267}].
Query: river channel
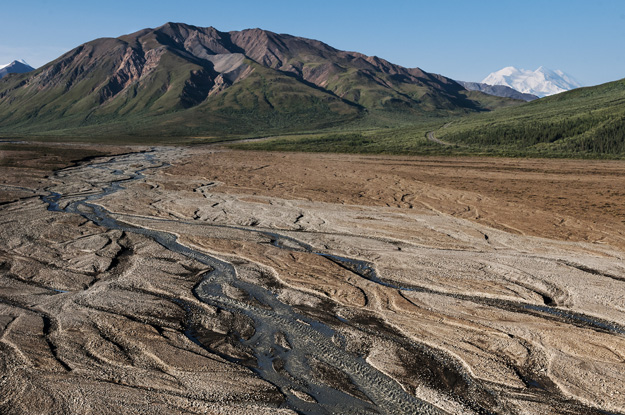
[{"x": 284, "y": 364}]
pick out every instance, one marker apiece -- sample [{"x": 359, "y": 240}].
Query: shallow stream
[{"x": 287, "y": 366}]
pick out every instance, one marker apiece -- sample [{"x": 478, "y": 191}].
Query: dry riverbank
[{"x": 214, "y": 281}]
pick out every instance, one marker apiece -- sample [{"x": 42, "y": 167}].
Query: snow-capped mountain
[
  {"x": 15, "y": 67},
  {"x": 541, "y": 82}
]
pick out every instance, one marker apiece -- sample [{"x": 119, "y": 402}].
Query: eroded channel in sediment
[
  {"x": 301, "y": 351},
  {"x": 306, "y": 344}
]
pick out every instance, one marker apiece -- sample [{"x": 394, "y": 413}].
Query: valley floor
[{"x": 206, "y": 280}]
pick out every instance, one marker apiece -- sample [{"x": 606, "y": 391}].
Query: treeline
[
  {"x": 587, "y": 134},
  {"x": 607, "y": 139}
]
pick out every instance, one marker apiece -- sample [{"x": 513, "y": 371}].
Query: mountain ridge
[
  {"x": 200, "y": 80},
  {"x": 498, "y": 90}
]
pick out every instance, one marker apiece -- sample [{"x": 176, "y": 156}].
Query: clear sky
[{"x": 461, "y": 39}]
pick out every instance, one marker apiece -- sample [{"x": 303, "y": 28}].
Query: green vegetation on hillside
[
  {"x": 410, "y": 139},
  {"x": 180, "y": 81},
  {"x": 583, "y": 122},
  {"x": 586, "y": 122},
  {"x": 185, "y": 84}
]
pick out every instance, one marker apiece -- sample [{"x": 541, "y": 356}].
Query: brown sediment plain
[{"x": 206, "y": 280}]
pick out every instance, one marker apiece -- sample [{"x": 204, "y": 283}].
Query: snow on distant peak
[
  {"x": 22, "y": 61},
  {"x": 508, "y": 71},
  {"x": 541, "y": 82},
  {"x": 15, "y": 67}
]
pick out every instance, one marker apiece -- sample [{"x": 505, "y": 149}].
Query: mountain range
[
  {"x": 542, "y": 82},
  {"x": 497, "y": 90},
  {"x": 15, "y": 67},
  {"x": 180, "y": 79}
]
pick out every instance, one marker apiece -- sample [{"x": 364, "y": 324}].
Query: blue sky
[{"x": 464, "y": 40}]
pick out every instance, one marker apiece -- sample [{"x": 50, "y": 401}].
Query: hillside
[
  {"x": 497, "y": 90},
  {"x": 185, "y": 80},
  {"x": 584, "y": 122}
]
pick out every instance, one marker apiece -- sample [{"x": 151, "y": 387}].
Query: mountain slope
[
  {"x": 584, "y": 121},
  {"x": 541, "y": 82},
  {"x": 185, "y": 80},
  {"x": 15, "y": 67},
  {"x": 497, "y": 90}
]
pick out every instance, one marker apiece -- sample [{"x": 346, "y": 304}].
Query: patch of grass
[{"x": 409, "y": 139}]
